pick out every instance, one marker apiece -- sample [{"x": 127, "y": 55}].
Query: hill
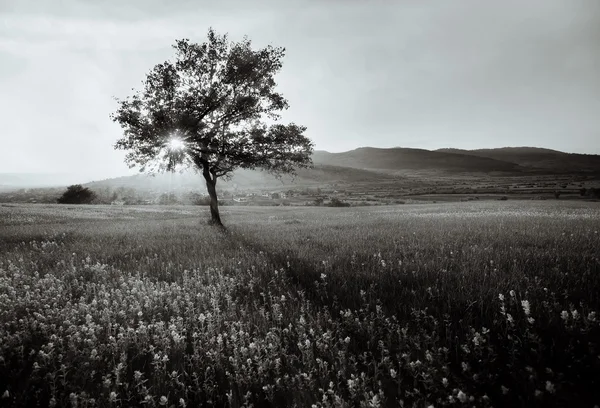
[
  {"x": 245, "y": 179},
  {"x": 546, "y": 160},
  {"x": 399, "y": 159},
  {"x": 12, "y": 181}
]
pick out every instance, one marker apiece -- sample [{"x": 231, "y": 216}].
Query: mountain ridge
[{"x": 367, "y": 165}]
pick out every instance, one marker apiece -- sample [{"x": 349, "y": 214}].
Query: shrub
[
  {"x": 77, "y": 194},
  {"x": 336, "y": 202}
]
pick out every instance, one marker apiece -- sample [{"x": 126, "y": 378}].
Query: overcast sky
[{"x": 429, "y": 74}]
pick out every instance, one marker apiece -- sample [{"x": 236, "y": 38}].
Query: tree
[
  {"x": 208, "y": 109},
  {"x": 77, "y": 194}
]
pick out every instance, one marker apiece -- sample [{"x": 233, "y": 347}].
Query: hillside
[
  {"x": 245, "y": 179},
  {"x": 398, "y": 159},
  {"x": 11, "y": 181},
  {"x": 536, "y": 158}
]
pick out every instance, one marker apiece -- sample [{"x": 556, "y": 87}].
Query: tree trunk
[{"x": 211, "y": 186}]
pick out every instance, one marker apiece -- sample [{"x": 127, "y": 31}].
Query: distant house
[
  {"x": 240, "y": 200},
  {"x": 118, "y": 202}
]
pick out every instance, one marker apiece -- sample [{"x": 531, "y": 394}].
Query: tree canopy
[
  {"x": 77, "y": 194},
  {"x": 209, "y": 109}
]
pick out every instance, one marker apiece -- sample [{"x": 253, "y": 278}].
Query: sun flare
[{"x": 176, "y": 144}]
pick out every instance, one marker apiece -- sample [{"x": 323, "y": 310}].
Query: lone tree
[
  {"x": 208, "y": 110},
  {"x": 77, "y": 194}
]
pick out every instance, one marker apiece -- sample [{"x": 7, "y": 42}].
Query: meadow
[{"x": 489, "y": 303}]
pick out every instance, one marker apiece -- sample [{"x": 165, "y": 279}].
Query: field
[{"x": 488, "y": 303}]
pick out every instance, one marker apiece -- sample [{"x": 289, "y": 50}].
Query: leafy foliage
[
  {"x": 215, "y": 98},
  {"x": 77, "y": 194}
]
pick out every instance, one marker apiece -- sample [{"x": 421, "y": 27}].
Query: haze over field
[{"x": 465, "y": 75}]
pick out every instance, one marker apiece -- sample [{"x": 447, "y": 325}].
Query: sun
[{"x": 176, "y": 144}]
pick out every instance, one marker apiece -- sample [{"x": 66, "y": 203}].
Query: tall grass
[{"x": 474, "y": 304}]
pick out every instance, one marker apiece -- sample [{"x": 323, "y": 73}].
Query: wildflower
[
  {"x": 462, "y": 397},
  {"x": 137, "y": 375},
  {"x": 283, "y": 298},
  {"x": 6, "y": 394},
  {"x": 445, "y": 381},
  {"x": 163, "y": 400},
  {"x": 592, "y": 316},
  {"x": 392, "y": 373},
  {"x": 509, "y": 318},
  {"x": 182, "y": 403},
  {"x": 531, "y": 320},
  {"x": 575, "y": 314},
  {"x": 550, "y": 387},
  {"x": 347, "y": 340},
  {"x": 526, "y": 307},
  {"x": 323, "y": 276},
  {"x": 501, "y": 297},
  {"x": 512, "y": 293},
  {"x": 538, "y": 393},
  {"x": 564, "y": 315},
  {"x": 504, "y": 389},
  {"x": 113, "y": 396},
  {"x": 52, "y": 402}
]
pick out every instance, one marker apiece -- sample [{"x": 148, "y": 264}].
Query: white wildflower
[{"x": 526, "y": 307}]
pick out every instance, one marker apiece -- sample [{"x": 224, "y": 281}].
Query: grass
[{"x": 463, "y": 304}]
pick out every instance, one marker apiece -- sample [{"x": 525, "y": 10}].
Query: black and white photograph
[{"x": 299, "y": 203}]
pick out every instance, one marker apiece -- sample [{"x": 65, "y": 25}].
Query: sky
[{"x": 406, "y": 73}]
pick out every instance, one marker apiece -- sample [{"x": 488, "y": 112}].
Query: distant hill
[
  {"x": 11, "y": 181},
  {"x": 363, "y": 165},
  {"x": 244, "y": 179},
  {"x": 536, "y": 158},
  {"x": 399, "y": 159}
]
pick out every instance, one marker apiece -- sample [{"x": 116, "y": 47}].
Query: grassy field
[{"x": 457, "y": 304}]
